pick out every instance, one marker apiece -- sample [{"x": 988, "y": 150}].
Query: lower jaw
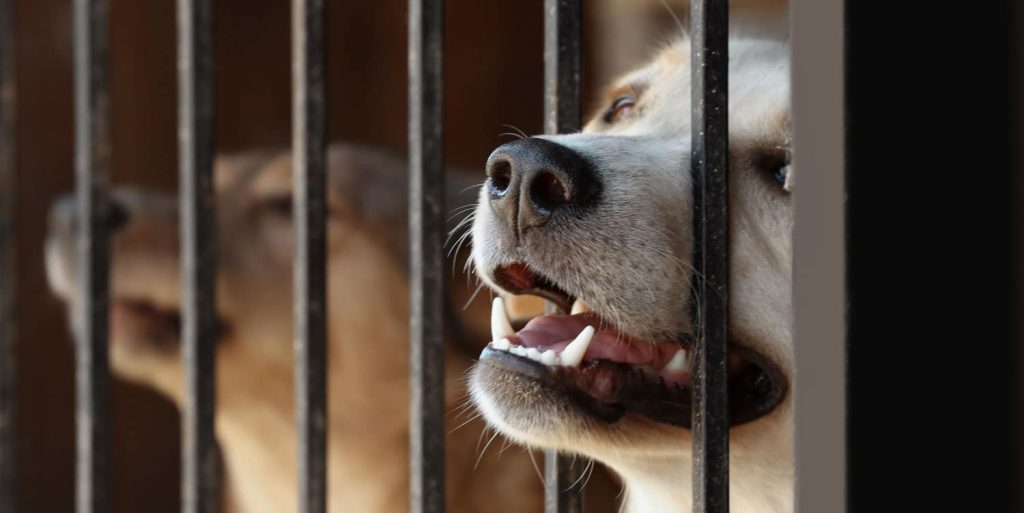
[{"x": 754, "y": 390}]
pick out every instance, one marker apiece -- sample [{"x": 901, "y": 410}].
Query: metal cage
[{"x": 562, "y": 113}]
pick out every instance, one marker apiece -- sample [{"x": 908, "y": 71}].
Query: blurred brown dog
[{"x": 368, "y": 329}]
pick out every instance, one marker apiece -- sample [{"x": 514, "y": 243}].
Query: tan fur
[{"x": 368, "y": 338}]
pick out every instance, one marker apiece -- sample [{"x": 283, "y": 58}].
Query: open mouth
[
  {"x": 141, "y": 320},
  {"x": 609, "y": 373},
  {"x": 144, "y": 321}
]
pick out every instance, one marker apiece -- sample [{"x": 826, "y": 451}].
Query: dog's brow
[{"x": 633, "y": 88}]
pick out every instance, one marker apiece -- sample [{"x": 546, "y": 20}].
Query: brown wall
[{"x": 493, "y": 76}]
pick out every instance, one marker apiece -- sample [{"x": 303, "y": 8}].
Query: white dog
[{"x": 601, "y": 224}]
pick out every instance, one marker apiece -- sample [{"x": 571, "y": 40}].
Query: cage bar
[
  {"x": 8, "y": 274},
  {"x": 563, "y": 489},
  {"x": 709, "y": 25},
  {"x": 426, "y": 239},
  {"x": 92, "y": 183},
  {"x": 819, "y": 257},
  {"x": 310, "y": 300},
  {"x": 200, "y": 487}
]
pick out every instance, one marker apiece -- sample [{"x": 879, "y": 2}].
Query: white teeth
[
  {"x": 548, "y": 357},
  {"x": 579, "y": 306},
  {"x": 572, "y": 355},
  {"x": 518, "y": 350},
  {"x": 500, "y": 325},
  {"x": 679, "y": 363},
  {"x": 502, "y": 344},
  {"x": 533, "y": 353}
]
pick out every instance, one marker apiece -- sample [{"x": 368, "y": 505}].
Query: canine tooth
[
  {"x": 549, "y": 357},
  {"x": 533, "y": 353},
  {"x": 679, "y": 363},
  {"x": 572, "y": 355},
  {"x": 501, "y": 327},
  {"x": 579, "y": 306},
  {"x": 502, "y": 344}
]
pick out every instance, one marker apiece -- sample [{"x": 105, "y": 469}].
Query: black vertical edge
[
  {"x": 200, "y": 487},
  {"x": 310, "y": 300},
  {"x": 563, "y": 482},
  {"x": 562, "y": 57},
  {"x": 426, "y": 233},
  {"x": 8, "y": 274},
  {"x": 563, "y": 489},
  {"x": 709, "y": 25},
  {"x": 92, "y": 182}
]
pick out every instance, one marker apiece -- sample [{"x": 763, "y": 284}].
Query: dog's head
[
  {"x": 601, "y": 224},
  {"x": 255, "y": 241}
]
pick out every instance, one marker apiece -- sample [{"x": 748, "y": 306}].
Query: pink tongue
[{"x": 556, "y": 331}]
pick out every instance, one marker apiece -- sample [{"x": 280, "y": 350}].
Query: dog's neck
[
  {"x": 665, "y": 485},
  {"x": 654, "y": 485}
]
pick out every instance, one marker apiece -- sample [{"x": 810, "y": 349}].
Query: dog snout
[
  {"x": 64, "y": 214},
  {"x": 531, "y": 180}
]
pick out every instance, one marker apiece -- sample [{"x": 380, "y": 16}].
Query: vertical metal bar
[
  {"x": 8, "y": 274},
  {"x": 709, "y": 25},
  {"x": 200, "y": 490},
  {"x": 563, "y": 483},
  {"x": 92, "y": 180},
  {"x": 310, "y": 303},
  {"x": 819, "y": 263},
  {"x": 426, "y": 232}
]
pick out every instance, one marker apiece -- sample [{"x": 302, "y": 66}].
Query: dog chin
[{"x": 533, "y": 413}]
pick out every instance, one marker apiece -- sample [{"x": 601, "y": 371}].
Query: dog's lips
[
  {"x": 135, "y": 319},
  {"x": 609, "y": 373},
  {"x": 556, "y": 331}
]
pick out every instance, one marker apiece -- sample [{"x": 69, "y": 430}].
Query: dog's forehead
[{"x": 758, "y": 92}]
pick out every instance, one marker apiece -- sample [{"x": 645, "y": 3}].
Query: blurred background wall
[{"x": 493, "y": 77}]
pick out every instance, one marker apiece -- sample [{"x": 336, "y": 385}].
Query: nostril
[
  {"x": 548, "y": 192},
  {"x": 501, "y": 177},
  {"x": 117, "y": 216}
]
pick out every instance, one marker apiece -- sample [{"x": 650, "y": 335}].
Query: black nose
[
  {"x": 531, "y": 180},
  {"x": 64, "y": 214}
]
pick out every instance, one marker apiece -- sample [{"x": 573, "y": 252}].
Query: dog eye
[
  {"x": 278, "y": 205},
  {"x": 283, "y": 205},
  {"x": 781, "y": 175},
  {"x": 621, "y": 107}
]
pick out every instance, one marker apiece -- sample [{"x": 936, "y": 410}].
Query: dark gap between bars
[
  {"x": 426, "y": 256},
  {"x": 200, "y": 472},
  {"x": 709, "y": 26},
  {"x": 92, "y": 185},
  {"x": 563, "y": 483},
  {"x": 8, "y": 274},
  {"x": 310, "y": 300}
]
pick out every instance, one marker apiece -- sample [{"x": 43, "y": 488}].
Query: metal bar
[
  {"x": 8, "y": 274},
  {"x": 709, "y": 25},
  {"x": 426, "y": 238},
  {"x": 200, "y": 487},
  {"x": 562, "y": 98},
  {"x": 819, "y": 264},
  {"x": 92, "y": 181},
  {"x": 308, "y": 154},
  {"x": 563, "y": 489}
]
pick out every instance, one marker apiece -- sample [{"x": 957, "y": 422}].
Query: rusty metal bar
[
  {"x": 426, "y": 239},
  {"x": 200, "y": 487},
  {"x": 92, "y": 182},
  {"x": 709, "y": 27},
  {"x": 310, "y": 301},
  {"x": 8, "y": 273},
  {"x": 563, "y": 488}
]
